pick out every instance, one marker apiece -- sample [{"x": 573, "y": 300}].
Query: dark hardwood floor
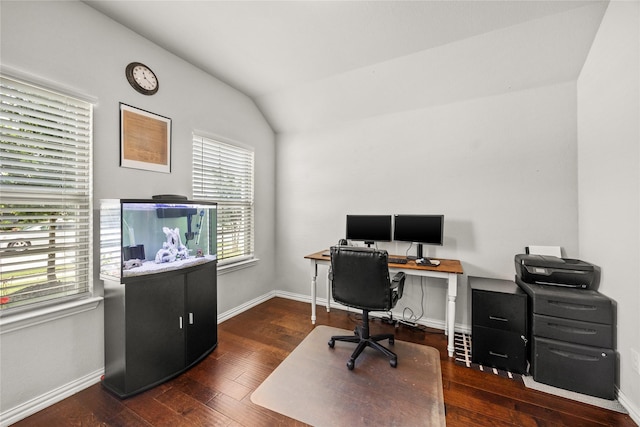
[{"x": 217, "y": 391}]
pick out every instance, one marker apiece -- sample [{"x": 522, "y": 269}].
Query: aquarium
[{"x": 143, "y": 237}]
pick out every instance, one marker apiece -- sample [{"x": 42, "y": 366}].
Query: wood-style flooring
[{"x": 217, "y": 391}]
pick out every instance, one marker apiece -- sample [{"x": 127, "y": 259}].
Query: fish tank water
[{"x": 142, "y": 237}]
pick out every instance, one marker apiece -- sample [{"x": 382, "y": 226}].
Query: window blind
[
  {"x": 224, "y": 173},
  {"x": 45, "y": 195}
]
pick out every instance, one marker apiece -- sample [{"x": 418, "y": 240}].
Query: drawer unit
[
  {"x": 499, "y": 310},
  {"x": 499, "y": 324},
  {"x": 570, "y": 303},
  {"x": 584, "y": 369},
  {"x": 574, "y": 331},
  {"x": 572, "y": 334},
  {"x": 500, "y": 349}
]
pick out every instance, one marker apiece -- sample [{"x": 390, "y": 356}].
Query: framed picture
[{"x": 145, "y": 140}]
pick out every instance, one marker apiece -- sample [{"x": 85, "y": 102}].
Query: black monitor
[
  {"x": 369, "y": 228},
  {"x": 420, "y": 229}
]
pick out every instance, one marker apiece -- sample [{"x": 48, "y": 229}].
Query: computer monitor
[
  {"x": 420, "y": 229},
  {"x": 369, "y": 228}
]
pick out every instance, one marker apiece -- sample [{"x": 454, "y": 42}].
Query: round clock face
[{"x": 142, "y": 78}]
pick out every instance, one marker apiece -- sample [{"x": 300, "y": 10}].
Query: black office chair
[{"x": 360, "y": 279}]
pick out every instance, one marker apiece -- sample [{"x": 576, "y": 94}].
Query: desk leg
[
  {"x": 329, "y": 290},
  {"x": 452, "y": 292},
  {"x": 314, "y": 275}
]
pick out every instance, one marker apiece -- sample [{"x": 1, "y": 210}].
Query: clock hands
[{"x": 144, "y": 75}]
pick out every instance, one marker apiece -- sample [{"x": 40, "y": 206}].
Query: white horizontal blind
[
  {"x": 223, "y": 173},
  {"x": 45, "y": 195}
]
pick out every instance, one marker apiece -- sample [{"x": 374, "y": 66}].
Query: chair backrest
[{"x": 360, "y": 277}]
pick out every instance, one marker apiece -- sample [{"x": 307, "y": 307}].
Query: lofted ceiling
[{"x": 308, "y": 64}]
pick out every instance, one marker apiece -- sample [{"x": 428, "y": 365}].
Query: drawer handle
[
  {"x": 572, "y": 330},
  {"x": 572, "y": 306},
  {"x": 501, "y": 319},
  {"x": 504, "y": 356},
  {"x": 576, "y": 356}
]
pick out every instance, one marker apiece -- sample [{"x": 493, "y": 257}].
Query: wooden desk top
[{"x": 446, "y": 265}]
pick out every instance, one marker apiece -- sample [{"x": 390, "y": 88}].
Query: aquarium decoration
[
  {"x": 172, "y": 249},
  {"x": 132, "y": 263}
]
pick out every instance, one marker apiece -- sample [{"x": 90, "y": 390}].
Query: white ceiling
[{"x": 307, "y": 64}]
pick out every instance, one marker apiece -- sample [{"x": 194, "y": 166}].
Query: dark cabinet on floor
[
  {"x": 158, "y": 326},
  {"x": 499, "y": 324},
  {"x": 572, "y": 334}
]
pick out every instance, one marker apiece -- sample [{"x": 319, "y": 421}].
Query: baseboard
[
  {"x": 246, "y": 306},
  {"x": 634, "y": 411},
  {"x": 321, "y": 304},
  {"x": 262, "y": 298},
  {"x": 47, "y": 399}
]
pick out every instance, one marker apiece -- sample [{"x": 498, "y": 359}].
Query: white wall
[
  {"x": 71, "y": 45},
  {"x": 609, "y": 176},
  {"x": 502, "y": 170}
]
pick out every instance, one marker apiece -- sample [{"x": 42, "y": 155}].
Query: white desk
[{"x": 448, "y": 270}]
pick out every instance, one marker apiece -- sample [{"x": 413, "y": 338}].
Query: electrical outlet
[{"x": 635, "y": 360}]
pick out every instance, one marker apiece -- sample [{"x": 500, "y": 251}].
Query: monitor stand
[
  {"x": 418, "y": 253},
  {"x": 368, "y": 244}
]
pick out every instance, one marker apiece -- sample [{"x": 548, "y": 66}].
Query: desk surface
[{"x": 446, "y": 265}]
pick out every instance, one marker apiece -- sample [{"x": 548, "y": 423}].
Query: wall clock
[{"x": 141, "y": 78}]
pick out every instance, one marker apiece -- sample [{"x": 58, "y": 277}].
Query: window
[
  {"x": 223, "y": 173},
  {"x": 45, "y": 196}
]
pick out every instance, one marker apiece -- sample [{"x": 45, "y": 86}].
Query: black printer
[{"x": 551, "y": 270}]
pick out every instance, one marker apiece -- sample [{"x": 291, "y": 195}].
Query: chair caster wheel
[
  {"x": 350, "y": 364},
  {"x": 391, "y": 341},
  {"x": 331, "y": 343},
  {"x": 393, "y": 363}
]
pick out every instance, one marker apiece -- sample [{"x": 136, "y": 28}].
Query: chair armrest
[{"x": 398, "y": 283}]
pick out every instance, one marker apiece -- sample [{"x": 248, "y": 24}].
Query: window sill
[
  {"x": 235, "y": 266},
  {"x": 19, "y": 321}
]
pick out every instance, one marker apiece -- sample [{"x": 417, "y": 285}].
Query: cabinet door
[
  {"x": 155, "y": 331},
  {"x": 201, "y": 312}
]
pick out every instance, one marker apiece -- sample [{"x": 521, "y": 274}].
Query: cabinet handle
[
  {"x": 504, "y": 356},
  {"x": 180, "y": 322},
  {"x": 501, "y": 319},
  {"x": 191, "y": 318}
]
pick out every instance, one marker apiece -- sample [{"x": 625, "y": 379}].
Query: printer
[{"x": 555, "y": 271}]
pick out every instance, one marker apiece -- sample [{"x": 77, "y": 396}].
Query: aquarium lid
[{"x": 169, "y": 197}]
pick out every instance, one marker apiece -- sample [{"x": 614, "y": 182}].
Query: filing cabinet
[
  {"x": 499, "y": 324},
  {"x": 572, "y": 334}
]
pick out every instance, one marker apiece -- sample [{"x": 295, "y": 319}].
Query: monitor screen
[
  {"x": 426, "y": 229},
  {"x": 369, "y": 228}
]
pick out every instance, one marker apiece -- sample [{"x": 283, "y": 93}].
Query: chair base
[{"x": 363, "y": 339}]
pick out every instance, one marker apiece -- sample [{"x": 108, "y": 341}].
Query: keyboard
[{"x": 397, "y": 260}]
